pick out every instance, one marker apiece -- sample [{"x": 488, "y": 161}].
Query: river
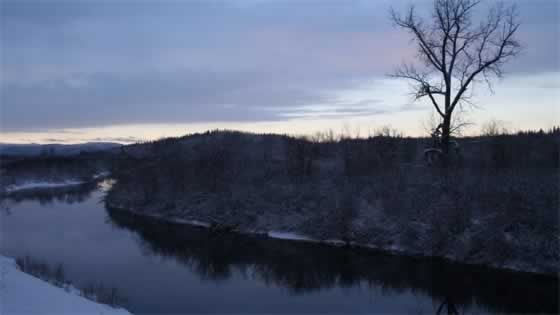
[{"x": 168, "y": 268}]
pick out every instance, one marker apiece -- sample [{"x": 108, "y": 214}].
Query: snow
[
  {"x": 21, "y": 293},
  {"x": 101, "y": 175},
  {"x": 39, "y": 184},
  {"x": 168, "y": 219},
  {"x": 290, "y": 236},
  {"x": 198, "y": 223},
  {"x": 182, "y": 221}
]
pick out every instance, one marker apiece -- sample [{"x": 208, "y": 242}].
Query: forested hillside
[{"x": 495, "y": 204}]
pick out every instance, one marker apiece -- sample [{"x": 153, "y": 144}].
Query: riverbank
[
  {"x": 45, "y": 184},
  {"x": 41, "y": 185},
  {"x": 396, "y": 248},
  {"x": 22, "y": 293},
  {"x": 491, "y": 207}
]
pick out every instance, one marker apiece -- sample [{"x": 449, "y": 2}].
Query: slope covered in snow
[{"x": 21, "y": 293}]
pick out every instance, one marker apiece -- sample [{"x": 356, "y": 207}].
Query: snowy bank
[
  {"x": 395, "y": 248},
  {"x": 21, "y": 293},
  {"x": 41, "y": 185}
]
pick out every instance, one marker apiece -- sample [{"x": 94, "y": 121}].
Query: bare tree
[
  {"x": 493, "y": 128},
  {"x": 455, "y": 52}
]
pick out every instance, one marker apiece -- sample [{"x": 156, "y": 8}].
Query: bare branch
[
  {"x": 452, "y": 43},
  {"x": 414, "y": 25},
  {"x": 506, "y": 45},
  {"x": 457, "y": 53},
  {"x": 421, "y": 80}
]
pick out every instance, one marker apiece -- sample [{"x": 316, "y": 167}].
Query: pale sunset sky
[{"x": 124, "y": 71}]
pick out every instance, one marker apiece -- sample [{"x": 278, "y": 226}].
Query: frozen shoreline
[
  {"x": 21, "y": 293},
  {"x": 39, "y": 184},
  {"x": 298, "y": 237}
]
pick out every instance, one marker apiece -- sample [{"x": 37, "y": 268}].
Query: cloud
[
  {"x": 126, "y": 140},
  {"x": 93, "y": 63}
]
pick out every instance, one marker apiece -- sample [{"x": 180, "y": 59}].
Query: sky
[{"x": 123, "y": 70}]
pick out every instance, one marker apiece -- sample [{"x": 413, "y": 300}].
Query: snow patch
[
  {"x": 101, "y": 175},
  {"x": 189, "y": 222},
  {"x": 41, "y": 185},
  {"x": 290, "y": 236}
]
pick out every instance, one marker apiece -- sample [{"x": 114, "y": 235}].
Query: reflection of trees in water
[
  {"x": 303, "y": 267},
  {"x": 449, "y": 305},
  {"x": 46, "y": 196}
]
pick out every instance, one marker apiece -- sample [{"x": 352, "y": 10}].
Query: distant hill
[{"x": 54, "y": 148}]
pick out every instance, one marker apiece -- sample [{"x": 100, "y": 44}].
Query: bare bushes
[
  {"x": 448, "y": 223},
  {"x": 211, "y": 165},
  {"x": 300, "y": 157},
  {"x": 524, "y": 200},
  {"x": 363, "y": 157},
  {"x": 344, "y": 213},
  {"x": 328, "y": 209},
  {"x": 232, "y": 209}
]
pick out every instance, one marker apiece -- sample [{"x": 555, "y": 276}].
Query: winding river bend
[{"x": 167, "y": 268}]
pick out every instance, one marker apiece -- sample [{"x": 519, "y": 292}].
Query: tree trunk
[
  {"x": 446, "y": 128},
  {"x": 445, "y": 135}
]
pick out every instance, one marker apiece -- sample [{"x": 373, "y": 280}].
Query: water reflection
[{"x": 304, "y": 268}]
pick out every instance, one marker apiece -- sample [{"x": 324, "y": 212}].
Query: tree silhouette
[{"x": 455, "y": 51}]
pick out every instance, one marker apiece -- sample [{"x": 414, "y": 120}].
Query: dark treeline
[
  {"x": 52, "y": 167},
  {"x": 46, "y": 196},
  {"x": 302, "y": 267},
  {"x": 496, "y": 203}
]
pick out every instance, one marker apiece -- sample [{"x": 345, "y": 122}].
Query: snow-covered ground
[
  {"x": 21, "y": 293},
  {"x": 290, "y": 236},
  {"x": 41, "y": 185}
]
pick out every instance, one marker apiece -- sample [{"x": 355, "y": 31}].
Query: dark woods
[
  {"x": 51, "y": 167},
  {"x": 496, "y": 203}
]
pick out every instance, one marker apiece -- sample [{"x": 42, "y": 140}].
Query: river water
[{"x": 166, "y": 268}]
